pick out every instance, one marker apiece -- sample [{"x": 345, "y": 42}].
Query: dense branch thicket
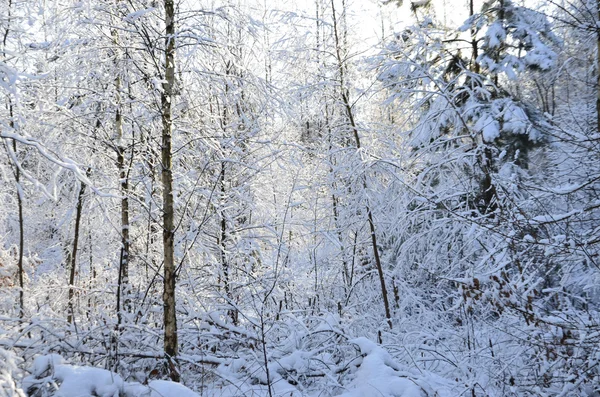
[{"x": 263, "y": 199}]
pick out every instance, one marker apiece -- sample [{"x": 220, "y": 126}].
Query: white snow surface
[
  {"x": 379, "y": 376},
  {"x": 165, "y": 388},
  {"x": 44, "y": 363},
  {"x": 489, "y": 127},
  {"x": 376, "y": 374},
  {"x": 81, "y": 381},
  {"x": 73, "y": 380}
]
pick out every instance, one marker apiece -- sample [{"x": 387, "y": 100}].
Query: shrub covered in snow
[{"x": 8, "y": 372}]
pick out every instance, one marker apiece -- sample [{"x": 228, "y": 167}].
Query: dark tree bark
[
  {"x": 21, "y": 224},
  {"x": 73, "y": 256},
  {"x": 345, "y": 96},
  {"x": 170, "y": 316},
  {"x": 18, "y": 183},
  {"x": 598, "y": 71}
]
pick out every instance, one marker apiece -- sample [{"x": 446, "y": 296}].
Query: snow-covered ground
[{"x": 374, "y": 374}]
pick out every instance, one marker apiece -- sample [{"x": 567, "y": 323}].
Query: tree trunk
[
  {"x": 120, "y": 148},
  {"x": 598, "y": 72},
  {"x": 474, "y": 46},
  {"x": 21, "y": 223},
  {"x": 348, "y": 107},
  {"x": 346, "y": 274},
  {"x": 170, "y": 317},
  {"x": 73, "y": 256},
  {"x": 123, "y": 302},
  {"x": 17, "y": 180}
]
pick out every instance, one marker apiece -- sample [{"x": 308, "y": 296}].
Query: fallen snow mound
[
  {"x": 379, "y": 376},
  {"x": 51, "y": 378}
]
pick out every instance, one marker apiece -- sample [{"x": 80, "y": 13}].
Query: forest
[{"x": 299, "y": 198}]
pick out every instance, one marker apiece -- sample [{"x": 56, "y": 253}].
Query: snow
[
  {"x": 541, "y": 219},
  {"x": 8, "y": 371},
  {"x": 44, "y": 363},
  {"x": 164, "y": 388},
  {"x": 72, "y": 380},
  {"x": 543, "y": 58},
  {"x": 76, "y": 381},
  {"x": 286, "y": 230},
  {"x": 134, "y": 16},
  {"x": 135, "y": 389},
  {"x": 95, "y": 381},
  {"x": 496, "y": 35},
  {"x": 379, "y": 376},
  {"x": 489, "y": 128},
  {"x": 374, "y": 373},
  {"x": 515, "y": 119}
]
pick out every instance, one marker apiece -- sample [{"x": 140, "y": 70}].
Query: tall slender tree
[
  {"x": 166, "y": 99},
  {"x": 17, "y": 171}
]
